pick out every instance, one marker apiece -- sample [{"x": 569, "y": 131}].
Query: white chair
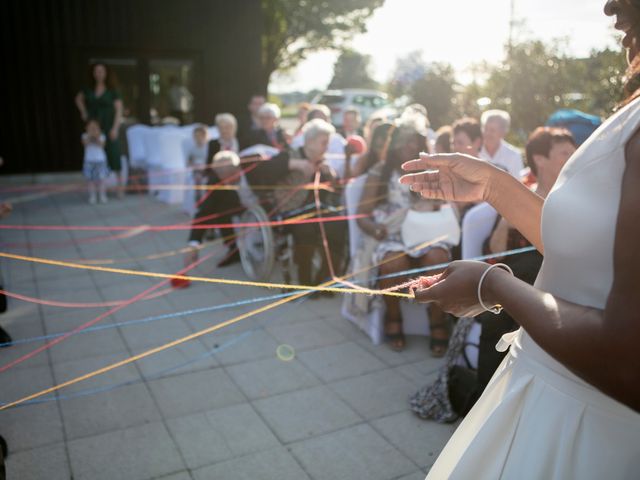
[
  {"x": 166, "y": 162},
  {"x": 137, "y": 149},
  {"x": 476, "y": 228},
  {"x": 414, "y": 315}
]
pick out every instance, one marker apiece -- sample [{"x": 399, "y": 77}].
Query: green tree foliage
[
  {"x": 352, "y": 70},
  {"x": 430, "y": 84},
  {"x": 436, "y": 91},
  {"x": 293, "y": 28},
  {"x": 537, "y": 78}
]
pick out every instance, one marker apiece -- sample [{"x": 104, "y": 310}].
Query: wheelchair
[{"x": 262, "y": 246}]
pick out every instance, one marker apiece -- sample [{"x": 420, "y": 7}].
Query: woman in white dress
[{"x": 565, "y": 402}]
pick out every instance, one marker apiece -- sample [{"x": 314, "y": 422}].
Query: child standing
[
  {"x": 198, "y": 158},
  {"x": 95, "y": 166}
]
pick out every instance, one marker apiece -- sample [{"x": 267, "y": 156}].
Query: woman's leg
[
  {"x": 393, "y": 262},
  {"x": 438, "y": 321}
]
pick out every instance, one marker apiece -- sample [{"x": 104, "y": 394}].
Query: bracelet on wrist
[{"x": 496, "y": 309}]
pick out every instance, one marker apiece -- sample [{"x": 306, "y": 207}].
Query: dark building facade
[{"x": 209, "y": 47}]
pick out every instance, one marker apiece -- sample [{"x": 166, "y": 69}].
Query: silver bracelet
[{"x": 496, "y": 309}]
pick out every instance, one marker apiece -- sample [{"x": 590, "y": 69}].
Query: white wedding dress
[{"x": 536, "y": 419}]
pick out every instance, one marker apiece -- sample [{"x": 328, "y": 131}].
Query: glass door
[{"x": 171, "y": 87}]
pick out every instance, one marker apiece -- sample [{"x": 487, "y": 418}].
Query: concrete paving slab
[
  {"x": 421, "y": 440},
  {"x": 44, "y": 463},
  {"x": 277, "y": 464},
  {"x": 137, "y": 453},
  {"x": 306, "y": 413},
  {"x": 195, "y": 392},
  {"x": 340, "y": 361},
  {"x": 217, "y": 435},
  {"x": 271, "y": 376},
  {"x": 376, "y": 394},
  {"x": 351, "y": 454}
]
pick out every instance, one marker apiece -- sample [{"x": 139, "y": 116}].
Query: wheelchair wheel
[{"x": 256, "y": 244}]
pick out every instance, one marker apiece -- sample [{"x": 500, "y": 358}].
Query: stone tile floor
[{"x": 232, "y": 410}]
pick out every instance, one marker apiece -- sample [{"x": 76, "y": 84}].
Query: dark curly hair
[{"x": 632, "y": 76}]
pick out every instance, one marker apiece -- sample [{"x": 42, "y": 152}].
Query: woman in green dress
[{"x": 102, "y": 102}]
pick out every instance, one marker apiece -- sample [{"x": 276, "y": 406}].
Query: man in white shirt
[{"x": 495, "y": 126}]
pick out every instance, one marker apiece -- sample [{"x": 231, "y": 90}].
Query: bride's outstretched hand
[{"x": 452, "y": 176}]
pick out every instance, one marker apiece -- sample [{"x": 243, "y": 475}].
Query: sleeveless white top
[{"x": 536, "y": 419}]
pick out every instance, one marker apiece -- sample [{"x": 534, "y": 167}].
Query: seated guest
[
  {"x": 308, "y": 237},
  {"x": 337, "y": 142},
  {"x": 197, "y": 157},
  {"x": 467, "y": 136},
  {"x": 495, "y": 126},
  {"x": 269, "y": 132},
  {"x": 444, "y": 137},
  {"x": 419, "y": 110},
  {"x": 370, "y": 127},
  {"x": 373, "y": 156},
  {"x": 227, "y": 139},
  {"x": 547, "y": 150},
  {"x": 303, "y": 112},
  {"x": 384, "y": 204},
  {"x": 249, "y": 121},
  {"x": 351, "y": 122},
  {"x": 221, "y": 205}
]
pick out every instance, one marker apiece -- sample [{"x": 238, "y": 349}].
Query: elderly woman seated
[
  {"x": 385, "y": 202},
  {"x": 308, "y": 237},
  {"x": 227, "y": 140},
  {"x": 221, "y": 205}
]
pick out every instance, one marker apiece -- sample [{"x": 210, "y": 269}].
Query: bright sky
[{"x": 460, "y": 32}]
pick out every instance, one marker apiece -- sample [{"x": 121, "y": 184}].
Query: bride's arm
[
  {"x": 462, "y": 178},
  {"x": 599, "y": 346}
]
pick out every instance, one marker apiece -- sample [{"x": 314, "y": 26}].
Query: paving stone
[
  {"x": 340, "y": 361},
  {"x": 241, "y": 348},
  {"x": 420, "y": 440},
  {"x": 144, "y": 336},
  {"x": 24, "y": 381},
  {"x": 194, "y": 353},
  {"x": 421, "y": 373},
  {"x": 271, "y": 376},
  {"x": 277, "y": 464},
  {"x": 137, "y": 453},
  {"x": 414, "y": 476},
  {"x": 353, "y": 453},
  {"x": 376, "y": 394},
  {"x": 176, "y": 476},
  {"x": 44, "y": 463},
  {"x": 195, "y": 392},
  {"x": 217, "y": 435},
  {"x": 417, "y": 349},
  {"x": 307, "y": 335},
  {"x": 31, "y": 426},
  {"x": 305, "y": 413},
  {"x": 95, "y": 343}
]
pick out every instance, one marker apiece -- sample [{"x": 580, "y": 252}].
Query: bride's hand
[
  {"x": 456, "y": 290},
  {"x": 452, "y": 177}
]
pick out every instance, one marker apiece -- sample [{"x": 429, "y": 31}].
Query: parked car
[{"x": 366, "y": 101}]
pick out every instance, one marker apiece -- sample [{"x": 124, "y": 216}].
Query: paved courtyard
[{"x": 222, "y": 406}]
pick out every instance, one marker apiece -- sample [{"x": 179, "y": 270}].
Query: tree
[
  {"x": 294, "y": 28},
  {"x": 537, "y": 78},
  {"x": 351, "y": 70},
  {"x": 436, "y": 90}
]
